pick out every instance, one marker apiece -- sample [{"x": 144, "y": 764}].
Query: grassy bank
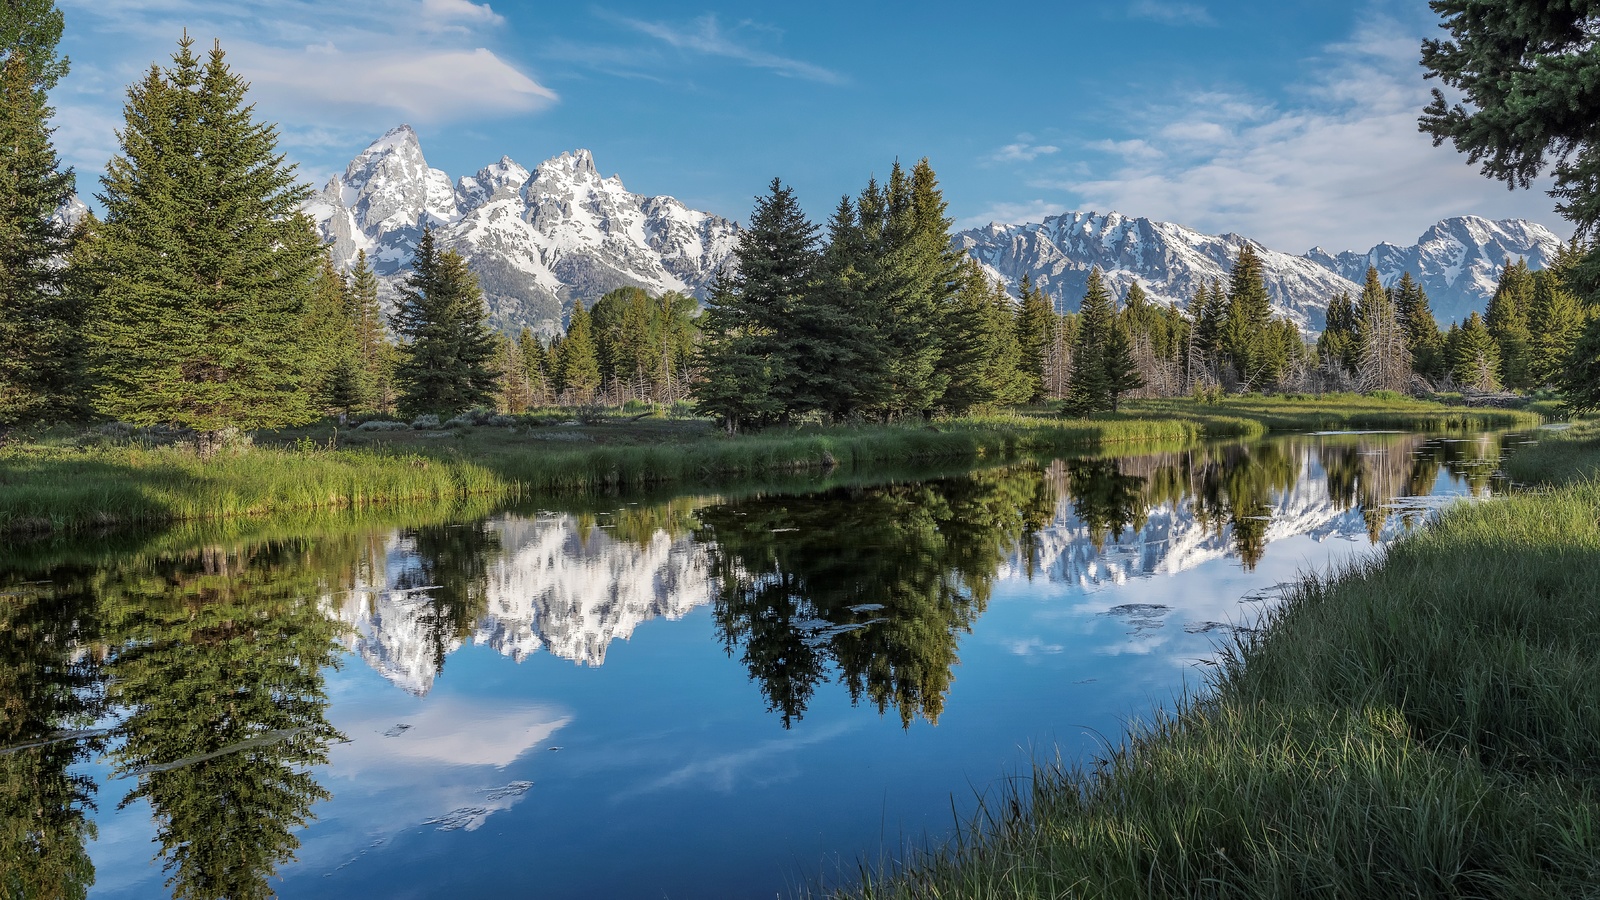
[
  {"x": 1425, "y": 724},
  {"x": 67, "y": 483}
]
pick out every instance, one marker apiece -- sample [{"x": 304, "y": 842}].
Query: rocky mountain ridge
[
  {"x": 536, "y": 239},
  {"x": 1458, "y": 261}
]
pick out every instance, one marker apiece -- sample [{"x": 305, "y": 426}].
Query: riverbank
[
  {"x": 1424, "y": 724},
  {"x": 71, "y": 482}
]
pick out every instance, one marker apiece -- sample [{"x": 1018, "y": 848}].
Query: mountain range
[
  {"x": 536, "y": 239},
  {"x": 540, "y": 239},
  {"x": 1458, "y": 261}
]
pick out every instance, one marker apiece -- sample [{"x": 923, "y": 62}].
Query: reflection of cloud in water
[
  {"x": 725, "y": 772},
  {"x": 446, "y": 771}
]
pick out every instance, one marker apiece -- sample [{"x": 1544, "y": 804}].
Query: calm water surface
[{"x": 713, "y": 696}]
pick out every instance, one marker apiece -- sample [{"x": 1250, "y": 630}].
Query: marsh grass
[
  {"x": 62, "y": 482},
  {"x": 1421, "y": 724}
]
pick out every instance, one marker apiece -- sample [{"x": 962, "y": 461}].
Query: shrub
[
  {"x": 425, "y": 422},
  {"x": 381, "y": 425}
]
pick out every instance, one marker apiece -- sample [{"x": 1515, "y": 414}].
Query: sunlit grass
[
  {"x": 1421, "y": 724},
  {"x": 64, "y": 482}
]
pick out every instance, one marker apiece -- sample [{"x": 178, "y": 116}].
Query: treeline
[{"x": 1530, "y": 337}]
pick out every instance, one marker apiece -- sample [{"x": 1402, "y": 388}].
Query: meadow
[{"x": 71, "y": 480}]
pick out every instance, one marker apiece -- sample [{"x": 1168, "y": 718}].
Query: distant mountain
[
  {"x": 535, "y": 239},
  {"x": 1458, "y": 261}
]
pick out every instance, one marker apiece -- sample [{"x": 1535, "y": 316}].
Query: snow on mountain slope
[
  {"x": 1458, "y": 261},
  {"x": 536, "y": 240}
]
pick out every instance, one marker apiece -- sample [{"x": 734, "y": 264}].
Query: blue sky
[{"x": 1292, "y": 122}]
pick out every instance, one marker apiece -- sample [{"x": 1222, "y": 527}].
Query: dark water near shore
[{"x": 710, "y": 696}]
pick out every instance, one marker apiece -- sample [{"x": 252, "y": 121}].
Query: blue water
[{"x": 574, "y": 704}]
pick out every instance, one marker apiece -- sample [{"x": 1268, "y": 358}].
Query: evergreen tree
[
  {"x": 919, "y": 276},
  {"x": 1507, "y": 321},
  {"x": 366, "y": 318},
  {"x": 1244, "y": 325},
  {"x": 839, "y": 344},
  {"x": 1580, "y": 380},
  {"x": 1122, "y": 372},
  {"x": 1422, "y": 330},
  {"x": 577, "y": 365},
  {"x": 1337, "y": 348},
  {"x": 737, "y": 387},
  {"x": 1523, "y": 74},
  {"x": 1090, "y": 389},
  {"x": 1556, "y": 322},
  {"x": 333, "y": 373},
  {"x": 30, "y": 30},
  {"x": 749, "y": 326},
  {"x": 986, "y": 368},
  {"x": 512, "y": 393},
  {"x": 41, "y": 355},
  {"x": 1385, "y": 356},
  {"x": 208, "y": 260},
  {"x": 1036, "y": 320},
  {"x": 1475, "y": 357},
  {"x": 447, "y": 364}
]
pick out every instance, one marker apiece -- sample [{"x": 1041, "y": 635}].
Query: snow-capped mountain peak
[
  {"x": 1458, "y": 261},
  {"x": 536, "y": 239}
]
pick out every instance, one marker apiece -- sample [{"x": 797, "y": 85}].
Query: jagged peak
[{"x": 579, "y": 162}]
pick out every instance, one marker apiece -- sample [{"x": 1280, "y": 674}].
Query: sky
[{"x": 1292, "y": 122}]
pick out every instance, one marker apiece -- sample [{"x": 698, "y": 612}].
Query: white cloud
[
  {"x": 1023, "y": 152},
  {"x": 706, "y": 36},
  {"x": 1012, "y": 213},
  {"x": 331, "y": 75},
  {"x": 1171, "y": 13},
  {"x": 1339, "y": 162}
]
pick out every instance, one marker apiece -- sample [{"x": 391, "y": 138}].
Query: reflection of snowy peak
[
  {"x": 551, "y": 586},
  {"x": 574, "y": 594},
  {"x": 1458, "y": 261},
  {"x": 1173, "y": 540},
  {"x": 536, "y": 240}
]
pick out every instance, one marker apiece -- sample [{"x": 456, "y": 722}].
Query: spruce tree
[
  {"x": 1090, "y": 388},
  {"x": 1556, "y": 322},
  {"x": 1475, "y": 361},
  {"x": 447, "y": 363},
  {"x": 1507, "y": 321},
  {"x": 333, "y": 372},
  {"x": 1337, "y": 347},
  {"x": 920, "y": 273},
  {"x": 578, "y": 364},
  {"x": 1036, "y": 319},
  {"x": 738, "y": 380},
  {"x": 366, "y": 318},
  {"x": 41, "y": 356},
  {"x": 986, "y": 368},
  {"x": 1122, "y": 371},
  {"x": 1422, "y": 330},
  {"x": 838, "y": 348},
  {"x": 1249, "y": 309},
  {"x": 208, "y": 261}
]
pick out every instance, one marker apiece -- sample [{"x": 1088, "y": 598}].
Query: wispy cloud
[
  {"x": 1023, "y": 151},
  {"x": 1338, "y": 161},
  {"x": 1169, "y": 12},
  {"x": 361, "y": 65},
  {"x": 1013, "y": 213},
  {"x": 707, "y": 36}
]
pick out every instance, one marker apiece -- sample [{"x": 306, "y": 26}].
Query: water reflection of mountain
[{"x": 558, "y": 583}]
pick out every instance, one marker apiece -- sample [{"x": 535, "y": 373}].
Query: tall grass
[
  {"x": 64, "y": 486},
  {"x": 1422, "y": 724}
]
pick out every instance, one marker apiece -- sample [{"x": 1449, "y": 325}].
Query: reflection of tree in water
[
  {"x": 49, "y": 684},
  {"x": 1106, "y": 501},
  {"x": 450, "y": 569},
  {"x": 880, "y": 582},
  {"x": 217, "y": 665}
]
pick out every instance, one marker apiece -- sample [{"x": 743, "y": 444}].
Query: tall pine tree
[
  {"x": 447, "y": 363},
  {"x": 41, "y": 354},
  {"x": 1090, "y": 389},
  {"x": 208, "y": 261}
]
